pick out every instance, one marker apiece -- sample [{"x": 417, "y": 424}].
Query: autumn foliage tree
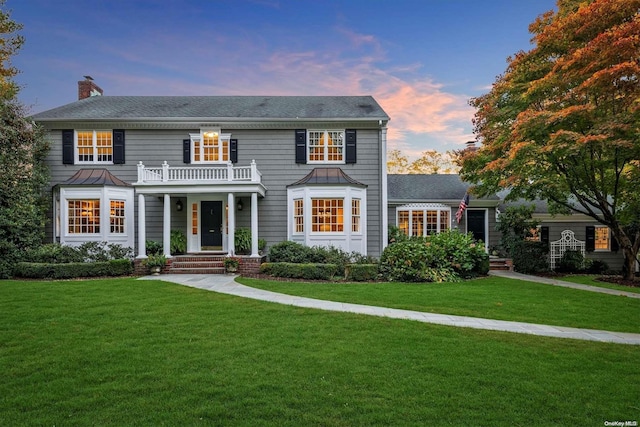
[{"x": 562, "y": 123}]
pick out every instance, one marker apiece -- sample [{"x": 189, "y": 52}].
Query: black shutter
[
  {"x": 350, "y": 156},
  {"x": 615, "y": 247},
  {"x": 186, "y": 151},
  {"x": 301, "y": 146},
  {"x": 233, "y": 150},
  {"x": 590, "y": 245},
  {"x": 118, "y": 147},
  {"x": 544, "y": 235},
  {"x": 67, "y": 147}
]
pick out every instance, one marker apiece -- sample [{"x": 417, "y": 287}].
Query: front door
[
  {"x": 211, "y": 226},
  {"x": 476, "y": 221}
]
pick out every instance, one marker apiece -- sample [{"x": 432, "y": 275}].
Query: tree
[
  {"x": 397, "y": 163},
  {"x": 23, "y": 149},
  {"x": 431, "y": 162},
  {"x": 562, "y": 123}
]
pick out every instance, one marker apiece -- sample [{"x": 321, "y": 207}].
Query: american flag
[{"x": 463, "y": 205}]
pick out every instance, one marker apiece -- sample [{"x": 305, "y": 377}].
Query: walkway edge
[{"x": 228, "y": 285}]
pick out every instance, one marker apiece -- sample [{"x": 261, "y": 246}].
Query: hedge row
[
  {"x": 33, "y": 270},
  {"x": 300, "y": 271}
]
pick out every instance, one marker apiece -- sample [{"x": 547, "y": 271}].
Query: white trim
[{"x": 384, "y": 208}]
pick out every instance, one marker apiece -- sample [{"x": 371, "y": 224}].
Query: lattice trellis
[{"x": 568, "y": 241}]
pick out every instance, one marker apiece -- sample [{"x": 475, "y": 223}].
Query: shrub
[
  {"x": 153, "y": 248},
  {"x": 54, "y": 253},
  {"x": 395, "y": 235},
  {"x": 292, "y": 252},
  {"x": 34, "y": 270},
  {"x": 242, "y": 240},
  {"x": 598, "y": 267},
  {"x": 361, "y": 272},
  {"x": 300, "y": 270},
  {"x": 571, "y": 262},
  {"x": 446, "y": 256},
  {"x": 178, "y": 242},
  {"x": 529, "y": 257}
]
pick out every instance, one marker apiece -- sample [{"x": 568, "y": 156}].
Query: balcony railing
[{"x": 199, "y": 174}]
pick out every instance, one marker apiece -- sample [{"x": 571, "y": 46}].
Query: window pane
[
  {"x": 85, "y": 146},
  {"x": 327, "y": 215},
  {"x": 316, "y": 146},
  {"x": 444, "y": 220},
  {"x": 403, "y": 221},
  {"x": 417, "y": 223},
  {"x": 104, "y": 146},
  {"x": 602, "y": 238},
  {"x": 298, "y": 215},
  {"x": 334, "y": 146},
  {"x": 210, "y": 147},
  {"x": 116, "y": 216},
  {"x": 432, "y": 222},
  {"x": 84, "y": 216},
  {"x": 355, "y": 215},
  {"x": 194, "y": 219}
]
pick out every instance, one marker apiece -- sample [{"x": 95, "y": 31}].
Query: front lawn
[
  {"x": 490, "y": 297},
  {"x": 129, "y": 352},
  {"x": 591, "y": 280}
]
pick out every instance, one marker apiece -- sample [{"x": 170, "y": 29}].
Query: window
[
  {"x": 298, "y": 215},
  {"x": 94, "y": 146},
  {"x": 534, "y": 235},
  {"x": 116, "y": 216},
  {"x": 327, "y": 215},
  {"x": 355, "y": 215},
  {"x": 423, "y": 219},
  {"x": 326, "y": 146},
  {"x": 194, "y": 219},
  {"x": 84, "y": 216},
  {"x": 210, "y": 146},
  {"x": 602, "y": 241}
]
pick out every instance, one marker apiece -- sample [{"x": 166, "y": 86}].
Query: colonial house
[
  {"x": 423, "y": 204},
  {"x": 128, "y": 169}
]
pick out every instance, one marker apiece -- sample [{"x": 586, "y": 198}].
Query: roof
[
  {"x": 327, "y": 176},
  {"x": 427, "y": 187},
  {"x": 217, "y": 107},
  {"x": 95, "y": 177}
]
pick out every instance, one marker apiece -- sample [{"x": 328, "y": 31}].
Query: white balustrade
[{"x": 228, "y": 173}]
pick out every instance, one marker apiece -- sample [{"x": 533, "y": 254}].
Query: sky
[{"x": 422, "y": 60}]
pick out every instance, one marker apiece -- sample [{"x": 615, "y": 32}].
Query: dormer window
[{"x": 210, "y": 146}]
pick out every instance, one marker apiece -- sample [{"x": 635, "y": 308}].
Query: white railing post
[
  {"x": 254, "y": 171},
  {"x": 165, "y": 171},
  {"x": 229, "y": 171},
  {"x": 140, "y": 172}
]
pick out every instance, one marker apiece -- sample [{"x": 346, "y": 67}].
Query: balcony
[{"x": 228, "y": 174}]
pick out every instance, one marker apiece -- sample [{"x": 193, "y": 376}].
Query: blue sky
[{"x": 421, "y": 60}]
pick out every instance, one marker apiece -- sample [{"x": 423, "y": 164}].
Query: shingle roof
[
  {"x": 326, "y": 176},
  {"x": 95, "y": 177},
  {"x": 424, "y": 188},
  {"x": 217, "y": 107}
]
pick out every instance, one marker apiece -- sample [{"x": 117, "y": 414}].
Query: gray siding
[{"x": 274, "y": 152}]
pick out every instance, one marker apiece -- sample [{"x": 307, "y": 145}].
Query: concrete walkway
[{"x": 227, "y": 285}]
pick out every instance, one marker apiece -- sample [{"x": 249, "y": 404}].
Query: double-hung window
[
  {"x": 94, "y": 146},
  {"x": 602, "y": 240},
  {"x": 327, "y": 215},
  {"x": 325, "y": 146},
  {"x": 84, "y": 216},
  {"x": 210, "y": 146}
]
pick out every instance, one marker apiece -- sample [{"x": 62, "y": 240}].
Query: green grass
[
  {"x": 490, "y": 297},
  {"x": 591, "y": 281},
  {"x": 127, "y": 352}
]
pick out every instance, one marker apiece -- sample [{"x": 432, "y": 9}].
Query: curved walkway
[{"x": 227, "y": 285}]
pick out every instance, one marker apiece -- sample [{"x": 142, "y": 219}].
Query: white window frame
[
  {"x": 94, "y": 146},
  {"x": 325, "y": 151},
  {"x": 223, "y": 139},
  {"x": 424, "y": 208},
  {"x": 595, "y": 243}
]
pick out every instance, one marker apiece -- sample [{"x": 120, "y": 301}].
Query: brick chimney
[
  {"x": 471, "y": 146},
  {"x": 87, "y": 88}
]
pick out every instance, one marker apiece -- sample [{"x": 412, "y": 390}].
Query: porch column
[
  {"x": 166, "y": 227},
  {"x": 231, "y": 235},
  {"x": 254, "y": 224},
  {"x": 142, "y": 229}
]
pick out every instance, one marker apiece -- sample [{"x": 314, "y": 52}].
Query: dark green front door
[
  {"x": 476, "y": 221},
  {"x": 211, "y": 226}
]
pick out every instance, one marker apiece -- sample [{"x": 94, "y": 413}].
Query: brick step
[
  {"x": 197, "y": 264},
  {"x": 500, "y": 264},
  {"x": 219, "y": 270}
]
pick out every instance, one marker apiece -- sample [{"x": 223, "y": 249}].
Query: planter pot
[{"x": 155, "y": 270}]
